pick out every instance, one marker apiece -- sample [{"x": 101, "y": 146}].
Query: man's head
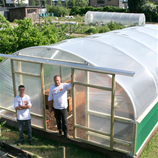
[
  {"x": 21, "y": 90},
  {"x": 57, "y": 80}
]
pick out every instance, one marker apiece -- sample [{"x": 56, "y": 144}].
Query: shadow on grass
[{"x": 47, "y": 148}]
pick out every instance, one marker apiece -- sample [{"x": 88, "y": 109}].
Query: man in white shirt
[
  {"x": 58, "y": 94},
  {"x": 22, "y": 104}
]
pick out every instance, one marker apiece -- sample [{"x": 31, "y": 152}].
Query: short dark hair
[
  {"x": 21, "y": 86},
  {"x": 56, "y": 76}
]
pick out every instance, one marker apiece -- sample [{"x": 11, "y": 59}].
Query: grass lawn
[
  {"x": 47, "y": 148},
  {"x": 151, "y": 150}
]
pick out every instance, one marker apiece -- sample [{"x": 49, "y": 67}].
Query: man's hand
[
  {"x": 50, "y": 106},
  {"x": 24, "y": 106},
  {"x": 50, "y": 109},
  {"x": 18, "y": 108}
]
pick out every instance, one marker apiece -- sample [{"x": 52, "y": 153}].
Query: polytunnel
[
  {"x": 114, "y": 80},
  {"x": 130, "y": 19}
]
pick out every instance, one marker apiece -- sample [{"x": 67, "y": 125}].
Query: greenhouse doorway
[
  {"x": 31, "y": 75},
  {"x": 49, "y": 71},
  {"x": 93, "y": 96}
]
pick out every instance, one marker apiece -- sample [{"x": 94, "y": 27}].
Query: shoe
[
  {"x": 66, "y": 135},
  {"x": 20, "y": 143},
  {"x": 60, "y": 133},
  {"x": 31, "y": 142}
]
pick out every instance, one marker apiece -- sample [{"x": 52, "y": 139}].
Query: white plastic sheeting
[
  {"x": 133, "y": 49},
  {"x": 122, "y": 18}
]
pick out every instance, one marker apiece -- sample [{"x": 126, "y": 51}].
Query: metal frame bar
[
  {"x": 53, "y": 59},
  {"x": 98, "y": 135},
  {"x": 112, "y": 111},
  {"x": 116, "y": 118},
  {"x": 122, "y": 119},
  {"x": 73, "y": 102},
  {"x": 93, "y": 130},
  {"x": 13, "y": 77},
  {"x": 72, "y": 65},
  {"x": 121, "y": 150},
  {"x": 134, "y": 140},
  {"x": 28, "y": 74},
  {"x": 108, "y": 138},
  {"x": 93, "y": 143},
  {"x": 43, "y": 97},
  {"x": 122, "y": 142},
  {"x": 99, "y": 114},
  {"x": 93, "y": 86}
]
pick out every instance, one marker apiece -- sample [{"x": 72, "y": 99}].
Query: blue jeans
[{"x": 29, "y": 129}]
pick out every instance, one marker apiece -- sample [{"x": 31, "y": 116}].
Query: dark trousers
[
  {"x": 29, "y": 129},
  {"x": 61, "y": 115}
]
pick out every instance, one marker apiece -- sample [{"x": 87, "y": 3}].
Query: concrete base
[{"x": 53, "y": 136}]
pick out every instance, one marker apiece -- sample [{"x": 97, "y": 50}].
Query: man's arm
[
  {"x": 50, "y": 99},
  {"x": 50, "y": 105},
  {"x": 24, "y": 106},
  {"x": 18, "y": 108}
]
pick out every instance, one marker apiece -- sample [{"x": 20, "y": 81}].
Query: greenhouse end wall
[{"x": 146, "y": 126}]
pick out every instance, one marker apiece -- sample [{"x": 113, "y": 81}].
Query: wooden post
[
  {"x": 64, "y": 154},
  {"x": 20, "y": 70},
  {"x": 134, "y": 138},
  {"x": 112, "y": 111},
  {"x": 13, "y": 78},
  {"x": 87, "y": 103},
  {"x": 43, "y": 97},
  {"x": 73, "y": 103}
]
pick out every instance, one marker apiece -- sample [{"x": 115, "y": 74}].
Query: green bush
[
  {"x": 150, "y": 10},
  {"x": 58, "y": 10},
  {"x": 1, "y": 59},
  {"x": 115, "y": 26},
  {"x": 103, "y": 29},
  {"x": 82, "y": 10},
  {"x": 91, "y": 31}
]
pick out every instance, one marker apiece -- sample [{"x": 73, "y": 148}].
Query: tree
[
  {"x": 59, "y": 3},
  {"x": 66, "y": 3},
  {"x": 72, "y": 3},
  {"x": 33, "y": 3},
  {"x": 135, "y": 5},
  {"x": 26, "y": 35},
  {"x": 150, "y": 11},
  {"x": 81, "y": 3}
]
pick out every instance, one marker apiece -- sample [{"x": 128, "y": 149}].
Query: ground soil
[{"x": 51, "y": 124}]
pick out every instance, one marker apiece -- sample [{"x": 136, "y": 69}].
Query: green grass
[
  {"x": 151, "y": 150},
  {"x": 48, "y": 148}
]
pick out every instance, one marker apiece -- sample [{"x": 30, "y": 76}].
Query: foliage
[
  {"x": 82, "y": 10},
  {"x": 103, "y": 29},
  {"x": 59, "y": 3},
  {"x": 91, "y": 30},
  {"x": 58, "y": 10},
  {"x": 2, "y": 131},
  {"x": 81, "y": 3},
  {"x": 66, "y": 3},
  {"x": 72, "y": 3},
  {"x": 1, "y": 59},
  {"x": 115, "y": 26},
  {"x": 26, "y": 35},
  {"x": 34, "y": 3},
  {"x": 135, "y": 5},
  {"x": 150, "y": 10}
]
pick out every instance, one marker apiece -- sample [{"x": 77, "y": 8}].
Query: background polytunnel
[
  {"x": 130, "y": 19},
  {"x": 131, "y": 49}
]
